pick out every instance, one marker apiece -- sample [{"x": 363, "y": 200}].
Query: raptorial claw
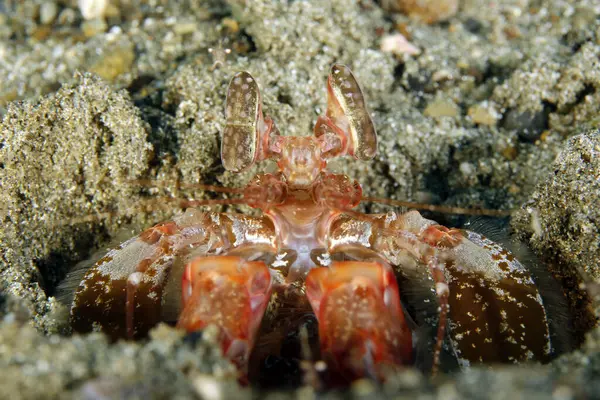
[
  {"x": 361, "y": 325},
  {"x": 228, "y": 292}
]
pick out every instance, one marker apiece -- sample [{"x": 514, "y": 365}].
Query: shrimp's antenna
[
  {"x": 438, "y": 208},
  {"x": 153, "y": 204},
  {"x": 209, "y": 202},
  {"x": 179, "y": 185}
]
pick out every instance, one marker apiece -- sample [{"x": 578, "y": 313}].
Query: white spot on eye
[
  {"x": 249, "y": 79},
  {"x": 237, "y": 81}
]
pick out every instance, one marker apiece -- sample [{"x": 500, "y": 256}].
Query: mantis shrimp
[{"x": 310, "y": 251}]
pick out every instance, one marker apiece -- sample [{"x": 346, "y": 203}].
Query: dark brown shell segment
[
  {"x": 496, "y": 320},
  {"x": 125, "y": 292}
]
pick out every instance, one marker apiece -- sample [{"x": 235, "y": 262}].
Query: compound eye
[
  {"x": 244, "y": 119},
  {"x": 346, "y": 106}
]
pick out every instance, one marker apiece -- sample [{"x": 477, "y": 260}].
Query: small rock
[
  {"x": 483, "y": 114},
  {"x": 528, "y": 125},
  {"x": 442, "y": 75},
  {"x": 92, "y": 9},
  {"x": 93, "y": 27},
  {"x": 428, "y": 11},
  {"x": 166, "y": 334},
  {"x": 363, "y": 387},
  {"x": 48, "y": 12},
  {"x": 231, "y": 24},
  {"x": 208, "y": 387},
  {"x": 398, "y": 45},
  {"x": 114, "y": 63},
  {"x": 67, "y": 17},
  {"x": 185, "y": 28},
  {"x": 510, "y": 153},
  {"x": 211, "y": 387},
  {"x": 441, "y": 108}
]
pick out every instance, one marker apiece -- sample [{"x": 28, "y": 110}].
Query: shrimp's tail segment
[
  {"x": 230, "y": 293},
  {"x": 362, "y": 328}
]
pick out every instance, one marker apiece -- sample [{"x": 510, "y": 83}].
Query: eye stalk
[
  {"x": 347, "y": 117},
  {"x": 246, "y": 134},
  {"x": 249, "y": 137}
]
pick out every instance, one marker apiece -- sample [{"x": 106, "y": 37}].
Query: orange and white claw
[
  {"x": 361, "y": 324},
  {"x": 230, "y": 293}
]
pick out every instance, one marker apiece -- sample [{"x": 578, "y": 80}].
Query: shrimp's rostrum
[{"x": 347, "y": 269}]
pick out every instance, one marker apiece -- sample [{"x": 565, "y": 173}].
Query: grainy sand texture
[{"x": 478, "y": 104}]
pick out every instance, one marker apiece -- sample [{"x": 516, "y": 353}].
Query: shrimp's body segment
[{"x": 221, "y": 269}]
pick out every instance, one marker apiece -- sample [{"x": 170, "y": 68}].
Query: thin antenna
[
  {"x": 179, "y": 185},
  {"x": 438, "y": 208}
]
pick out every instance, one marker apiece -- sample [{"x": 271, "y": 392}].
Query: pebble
[
  {"x": 428, "y": 11},
  {"x": 528, "y": 125},
  {"x": 48, "y": 12},
  {"x": 92, "y": 9},
  {"x": 93, "y": 27},
  {"x": 114, "y": 63},
  {"x": 398, "y": 45},
  {"x": 484, "y": 115},
  {"x": 231, "y": 24},
  {"x": 441, "y": 108},
  {"x": 185, "y": 28},
  {"x": 67, "y": 17}
]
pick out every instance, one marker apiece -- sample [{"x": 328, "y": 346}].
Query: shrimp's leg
[{"x": 361, "y": 324}]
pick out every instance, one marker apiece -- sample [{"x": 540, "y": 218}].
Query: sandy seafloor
[{"x": 500, "y": 109}]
